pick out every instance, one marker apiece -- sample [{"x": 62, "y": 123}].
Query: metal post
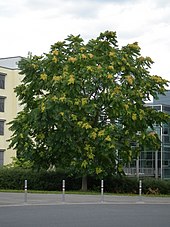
[
  {"x": 25, "y": 195},
  {"x": 140, "y": 188},
  {"x": 161, "y": 136},
  {"x": 63, "y": 189},
  {"x": 102, "y": 190},
  {"x": 137, "y": 167},
  {"x": 156, "y": 164}
]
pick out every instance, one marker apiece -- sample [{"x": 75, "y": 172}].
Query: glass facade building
[{"x": 150, "y": 162}]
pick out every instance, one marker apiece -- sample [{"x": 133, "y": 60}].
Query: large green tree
[{"x": 84, "y": 105}]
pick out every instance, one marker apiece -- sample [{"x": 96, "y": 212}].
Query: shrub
[{"x": 13, "y": 178}]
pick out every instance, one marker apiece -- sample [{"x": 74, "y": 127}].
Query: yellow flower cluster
[
  {"x": 89, "y": 68},
  {"x": 82, "y": 49},
  {"x": 55, "y": 52},
  {"x": 112, "y": 54},
  {"x": 89, "y": 150},
  {"x": 126, "y": 106},
  {"x": 130, "y": 79},
  {"x": 54, "y": 98},
  {"x": 116, "y": 91},
  {"x": 93, "y": 135},
  {"x": 84, "y": 101},
  {"x": 56, "y": 78},
  {"x": 141, "y": 114},
  {"x": 61, "y": 113},
  {"x": 134, "y": 117},
  {"x": 71, "y": 80},
  {"x": 86, "y": 125},
  {"x": 98, "y": 170},
  {"x": 62, "y": 98},
  {"x": 91, "y": 55},
  {"x": 43, "y": 76},
  {"x": 42, "y": 107},
  {"x": 110, "y": 67},
  {"x": 84, "y": 56},
  {"x": 157, "y": 79},
  {"x": 108, "y": 139},
  {"x": 101, "y": 133},
  {"x": 77, "y": 102},
  {"x": 55, "y": 59},
  {"x": 109, "y": 76},
  {"x": 72, "y": 59}
]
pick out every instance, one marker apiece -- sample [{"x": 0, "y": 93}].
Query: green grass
[
  {"x": 81, "y": 193},
  {"x": 51, "y": 192}
]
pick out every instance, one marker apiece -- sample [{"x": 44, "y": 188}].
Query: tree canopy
[{"x": 84, "y": 105}]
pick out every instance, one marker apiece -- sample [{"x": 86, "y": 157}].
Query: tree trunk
[{"x": 84, "y": 184}]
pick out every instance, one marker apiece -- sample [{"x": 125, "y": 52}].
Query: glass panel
[
  {"x": 157, "y": 107},
  {"x": 1, "y": 157},
  {"x": 166, "y": 139},
  {"x": 2, "y": 99},
  {"x": 165, "y": 130},
  {"x": 166, "y": 172},
  {"x": 2, "y": 81},
  {"x": 166, "y": 108},
  {"x": 1, "y": 127},
  {"x": 166, "y": 148}
]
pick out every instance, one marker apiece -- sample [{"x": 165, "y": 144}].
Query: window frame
[
  {"x": 2, "y": 157},
  {"x": 2, "y": 127},
  {"x": 2, "y": 80},
  {"x": 2, "y": 104}
]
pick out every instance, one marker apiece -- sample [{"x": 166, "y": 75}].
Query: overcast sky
[{"x": 34, "y": 25}]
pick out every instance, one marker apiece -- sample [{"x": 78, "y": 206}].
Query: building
[
  {"x": 9, "y": 106},
  {"x": 153, "y": 163}
]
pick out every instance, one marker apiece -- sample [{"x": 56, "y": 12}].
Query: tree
[{"x": 84, "y": 106}]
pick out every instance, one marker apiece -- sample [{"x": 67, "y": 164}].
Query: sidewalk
[{"x": 14, "y": 199}]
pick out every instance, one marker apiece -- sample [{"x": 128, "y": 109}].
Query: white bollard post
[
  {"x": 63, "y": 189},
  {"x": 102, "y": 190},
  {"x": 25, "y": 189},
  {"x": 140, "y": 187}
]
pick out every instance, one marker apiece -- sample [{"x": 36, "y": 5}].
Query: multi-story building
[
  {"x": 9, "y": 106},
  {"x": 155, "y": 163}
]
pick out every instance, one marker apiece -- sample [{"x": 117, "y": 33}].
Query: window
[
  {"x": 2, "y": 81},
  {"x": 1, "y": 127},
  {"x": 157, "y": 107},
  {"x": 166, "y": 108},
  {"x": 1, "y": 157},
  {"x": 165, "y": 131},
  {"x": 166, "y": 139},
  {"x": 2, "y": 99}
]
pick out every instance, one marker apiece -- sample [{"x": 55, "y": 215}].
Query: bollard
[
  {"x": 63, "y": 189},
  {"x": 102, "y": 189},
  {"x": 140, "y": 187},
  {"x": 25, "y": 188}
]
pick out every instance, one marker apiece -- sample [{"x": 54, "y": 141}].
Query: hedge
[{"x": 14, "y": 178}]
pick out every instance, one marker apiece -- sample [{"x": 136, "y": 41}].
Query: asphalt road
[
  {"x": 86, "y": 215},
  {"x": 56, "y": 210}
]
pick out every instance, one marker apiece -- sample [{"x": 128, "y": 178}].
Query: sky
[{"x": 35, "y": 25}]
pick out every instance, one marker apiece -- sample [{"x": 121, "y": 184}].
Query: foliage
[
  {"x": 84, "y": 105},
  {"x": 154, "y": 187},
  {"x": 14, "y": 178},
  {"x": 20, "y": 162}
]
